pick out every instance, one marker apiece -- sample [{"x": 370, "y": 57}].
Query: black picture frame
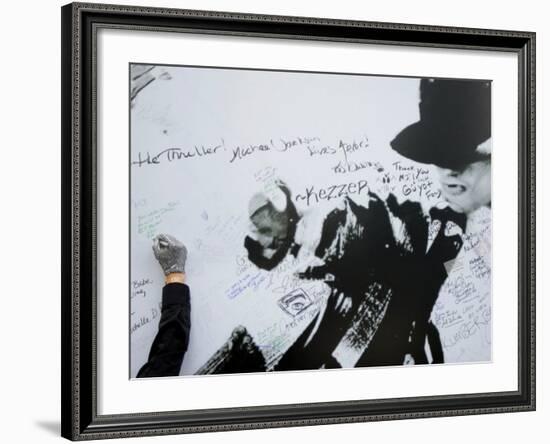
[{"x": 80, "y": 419}]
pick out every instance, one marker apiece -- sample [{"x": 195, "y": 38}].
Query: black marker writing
[{"x": 313, "y": 195}]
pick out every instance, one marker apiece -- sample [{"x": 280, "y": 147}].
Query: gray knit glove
[{"x": 170, "y": 253}]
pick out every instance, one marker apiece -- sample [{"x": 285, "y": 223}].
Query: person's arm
[{"x": 172, "y": 339}]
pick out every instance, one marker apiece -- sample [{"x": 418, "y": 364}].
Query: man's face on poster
[
  {"x": 270, "y": 226},
  {"x": 468, "y": 188}
]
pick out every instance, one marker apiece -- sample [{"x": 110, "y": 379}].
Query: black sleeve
[{"x": 172, "y": 338}]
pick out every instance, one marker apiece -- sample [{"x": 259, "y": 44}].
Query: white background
[{"x": 30, "y": 171}]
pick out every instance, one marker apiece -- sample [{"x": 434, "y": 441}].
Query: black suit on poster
[{"x": 364, "y": 256}]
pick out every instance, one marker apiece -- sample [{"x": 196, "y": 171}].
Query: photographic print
[
  {"x": 304, "y": 207},
  {"x": 289, "y": 220}
]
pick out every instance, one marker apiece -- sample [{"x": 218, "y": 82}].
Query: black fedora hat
[{"x": 455, "y": 118}]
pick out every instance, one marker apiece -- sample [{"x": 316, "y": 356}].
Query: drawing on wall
[{"x": 331, "y": 220}]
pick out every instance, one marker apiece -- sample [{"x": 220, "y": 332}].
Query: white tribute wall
[{"x": 204, "y": 140}]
